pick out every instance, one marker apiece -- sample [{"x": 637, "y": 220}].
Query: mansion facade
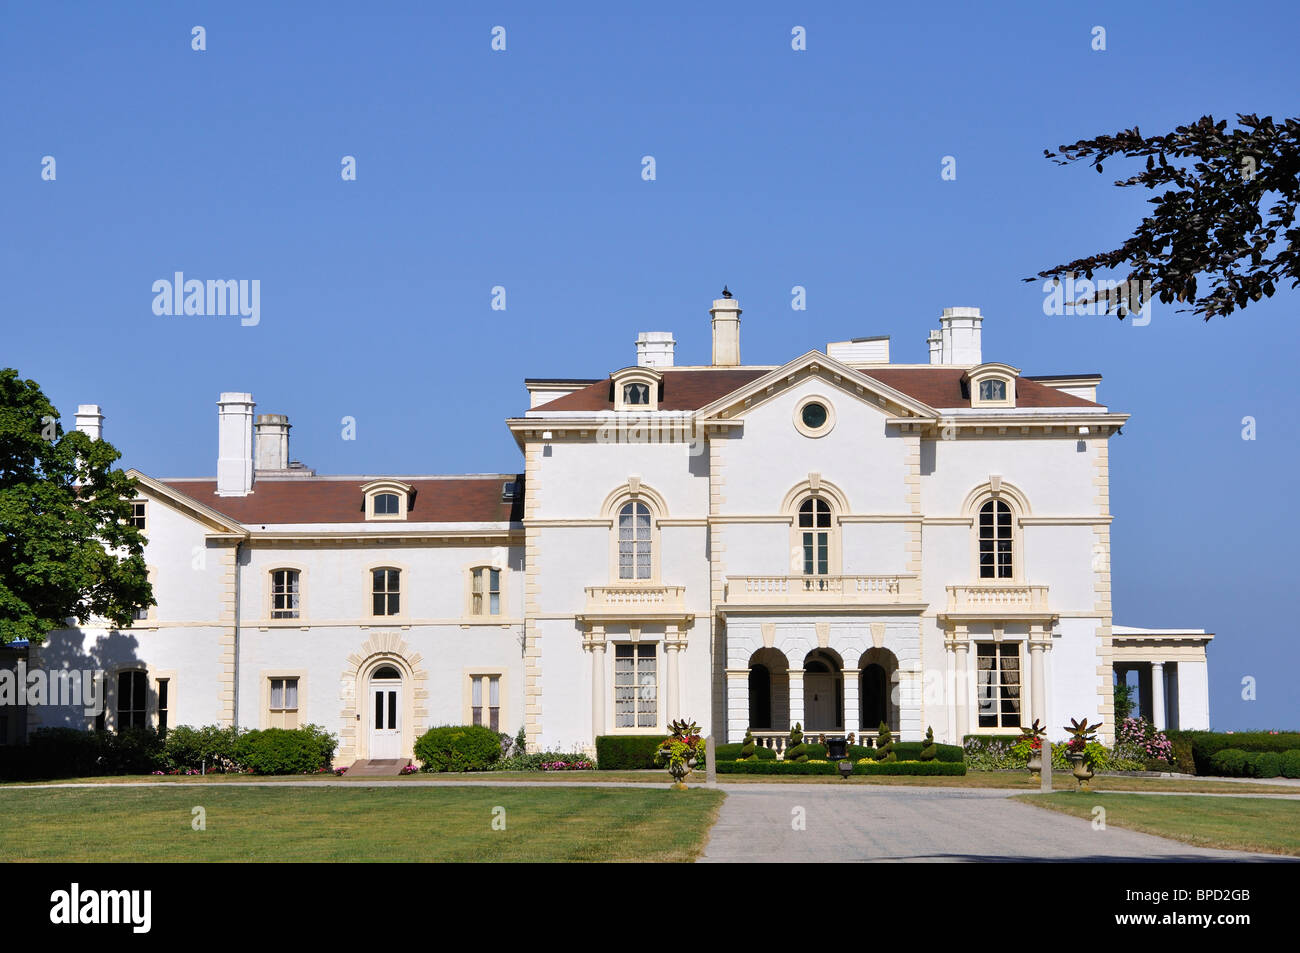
[{"x": 837, "y": 542}]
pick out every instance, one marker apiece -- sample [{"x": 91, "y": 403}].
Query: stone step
[{"x": 376, "y": 768}]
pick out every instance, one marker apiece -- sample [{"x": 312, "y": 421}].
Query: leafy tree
[
  {"x": 1208, "y": 218},
  {"x": 67, "y": 547}
]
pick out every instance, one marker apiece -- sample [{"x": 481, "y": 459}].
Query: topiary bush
[
  {"x": 748, "y": 751},
  {"x": 931, "y": 751},
  {"x": 885, "y": 744},
  {"x": 1229, "y": 762},
  {"x": 302, "y": 750},
  {"x": 627, "y": 752},
  {"x": 1291, "y": 764},
  {"x": 794, "y": 746},
  {"x": 732, "y": 752},
  {"x": 458, "y": 748},
  {"x": 1266, "y": 764}
]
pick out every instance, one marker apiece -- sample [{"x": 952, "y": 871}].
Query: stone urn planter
[
  {"x": 679, "y": 770},
  {"x": 1036, "y": 766},
  {"x": 1081, "y": 770}
]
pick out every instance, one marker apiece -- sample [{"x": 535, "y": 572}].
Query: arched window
[
  {"x": 387, "y": 504},
  {"x": 634, "y": 551},
  {"x": 636, "y": 394},
  {"x": 814, "y": 529},
  {"x": 995, "y": 541}
]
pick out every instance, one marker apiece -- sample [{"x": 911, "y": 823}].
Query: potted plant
[
  {"x": 1034, "y": 736},
  {"x": 1077, "y": 750},
  {"x": 681, "y": 751}
]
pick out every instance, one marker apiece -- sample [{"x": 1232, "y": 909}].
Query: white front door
[
  {"x": 819, "y": 702},
  {"x": 385, "y": 718}
]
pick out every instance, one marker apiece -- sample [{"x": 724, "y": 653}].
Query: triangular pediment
[
  {"x": 816, "y": 364},
  {"x": 188, "y": 506}
]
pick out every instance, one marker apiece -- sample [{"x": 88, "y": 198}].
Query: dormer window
[
  {"x": 636, "y": 388},
  {"x": 991, "y": 385},
  {"x": 387, "y": 500}
]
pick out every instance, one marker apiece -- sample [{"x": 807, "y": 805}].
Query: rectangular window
[
  {"x": 997, "y": 685},
  {"x": 636, "y": 702},
  {"x": 284, "y": 594},
  {"x": 164, "y": 704},
  {"x": 132, "y": 700},
  {"x": 138, "y": 514},
  {"x": 387, "y": 591},
  {"x": 485, "y": 701},
  {"x": 283, "y": 709}
]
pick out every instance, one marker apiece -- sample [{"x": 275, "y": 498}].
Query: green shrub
[
  {"x": 885, "y": 744},
  {"x": 1184, "y": 760},
  {"x": 458, "y": 748},
  {"x": 130, "y": 751},
  {"x": 1265, "y": 764},
  {"x": 1291, "y": 763},
  {"x": 794, "y": 746},
  {"x": 1205, "y": 744},
  {"x": 930, "y": 752},
  {"x": 534, "y": 762},
  {"x": 735, "y": 752},
  {"x": 302, "y": 750},
  {"x": 1229, "y": 762},
  {"x": 55, "y": 753},
  {"x": 627, "y": 752},
  {"x": 911, "y": 751},
  {"x": 210, "y": 748}
]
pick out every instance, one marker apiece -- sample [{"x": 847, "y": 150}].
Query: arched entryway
[
  {"x": 769, "y": 691},
  {"x": 823, "y": 691},
  {"x": 386, "y": 708},
  {"x": 878, "y": 690}
]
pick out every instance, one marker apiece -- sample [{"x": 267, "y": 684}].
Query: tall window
[
  {"x": 815, "y": 536},
  {"x": 284, "y": 594},
  {"x": 485, "y": 591},
  {"x": 995, "y": 540},
  {"x": 386, "y": 589},
  {"x": 164, "y": 704},
  {"x": 132, "y": 700},
  {"x": 138, "y": 514},
  {"x": 636, "y": 697},
  {"x": 283, "y": 709},
  {"x": 634, "y": 541},
  {"x": 997, "y": 686},
  {"x": 485, "y": 700}
]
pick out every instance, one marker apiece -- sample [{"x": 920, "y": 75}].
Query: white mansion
[{"x": 838, "y": 541}]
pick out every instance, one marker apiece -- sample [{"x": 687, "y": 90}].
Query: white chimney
[
  {"x": 235, "y": 445},
  {"x": 272, "y": 442},
  {"x": 655, "y": 349},
  {"x": 726, "y": 330},
  {"x": 959, "y": 329},
  {"x": 935, "y": 343},
  {"x": 90, "y": 421},
  {"x": 860, "y": 351}
]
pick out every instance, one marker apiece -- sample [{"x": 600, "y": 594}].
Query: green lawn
[
  {"x": 1234, "y": 823},
  {"x": 345, "y": 823}
]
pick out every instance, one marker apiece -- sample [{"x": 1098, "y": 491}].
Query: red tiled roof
[
  {"x": 693, "y": 389},
  {"x": 470, "y": 499},
  {"x": 941, "y": 387}
]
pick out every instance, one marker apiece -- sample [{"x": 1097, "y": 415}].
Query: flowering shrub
[
  {"x": 995, "y": 754},
  {"x": 409, "y": 769},
  {"x": 1139, "y": 740},
  {"x": 580, "y": 765}
]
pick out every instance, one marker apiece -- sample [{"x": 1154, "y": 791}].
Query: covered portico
[{"x": 1168, "y": 668}]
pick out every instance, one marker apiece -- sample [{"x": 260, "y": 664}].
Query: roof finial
[{"x": 725, "y": 292}]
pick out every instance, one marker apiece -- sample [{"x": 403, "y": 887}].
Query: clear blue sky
[{"x": 523, "y": 169}]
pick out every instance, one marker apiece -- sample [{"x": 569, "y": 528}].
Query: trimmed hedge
[
  {"x": 458, "y": 748},
  {"x": 933, "y": 768},
  {"x": 911, "y": 751},
  {"x": 1204, "y": 745},
  {"x": 731, "y": 752},
  {"x": 626, "y": 752},
  {"x": 1235, "y": 763},
  {"x": 284, "y": 750}
]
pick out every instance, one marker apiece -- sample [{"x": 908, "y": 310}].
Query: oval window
[{"x": 814, "y": 415}]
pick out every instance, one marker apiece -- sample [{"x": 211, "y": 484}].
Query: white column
[
  {"x": 852, "y": 704},
  {"x": 796, "y": 698},
  {"x": 737, "y": 704},
  {"x": 1038, "y": 685},
  {"x": 597, "y": 646},
  {"x": 1158, "y": 695},
  {"x": 961, "y": 686},
  {"x": 950, "y": 678},
  {"x": 673, "y": 648}
]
